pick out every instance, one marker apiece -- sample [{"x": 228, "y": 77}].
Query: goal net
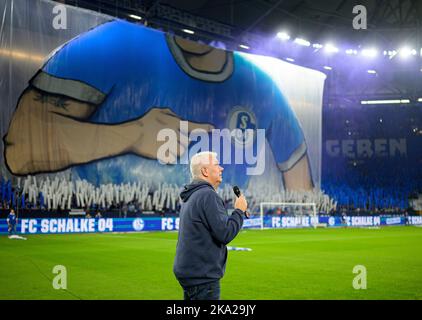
[{"x": 288, "y": 215}]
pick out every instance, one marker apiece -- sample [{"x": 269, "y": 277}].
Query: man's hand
[
  {"x": 149, "y": 126},
  {"x": 241, "y": 203},
  {"x": 45, "y": 135}
]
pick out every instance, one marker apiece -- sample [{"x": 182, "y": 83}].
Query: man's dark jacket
[{"x": 204, "y": 230}]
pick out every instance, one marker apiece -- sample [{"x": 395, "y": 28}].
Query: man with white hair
[{"x": 205, "y": 229}]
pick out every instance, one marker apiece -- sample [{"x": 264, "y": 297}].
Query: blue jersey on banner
[{"x": 132, "y": 69}]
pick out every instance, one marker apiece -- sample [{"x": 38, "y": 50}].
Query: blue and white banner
[
  {"x": 349, "y": 221},
  {"x": 84, "y": 225}
]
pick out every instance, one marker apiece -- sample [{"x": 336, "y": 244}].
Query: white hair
[{"x": 199, "y": 160}]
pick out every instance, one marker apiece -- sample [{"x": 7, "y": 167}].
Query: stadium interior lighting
[
  {"x": 330, "y": 48},
  {"x": 351, "y": 51},
  {"x": 420, "y": 100},
  {"x": 302, "y": 42},
  {"x": 283, "y": 36},
  {"x": 188, "y": 31},
  {"x": 327, "y": 68},
  {"x": 290, "y": 59},
  {"x": 21, "y": 55},
  {"x": 406, "y": 52},
  {"x": 369, "y": 52},
  {"x": 317, "y": 46},
  {"x": 372, "y": 71},
  {"x": 134, "y": 16},
  {"x": 391, "y": 53},
  {"x": 243, "y": 46},
  {"x": 394, "y": 101}
]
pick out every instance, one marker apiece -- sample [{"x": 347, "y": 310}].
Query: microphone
[{"x": 237, "y": 192}]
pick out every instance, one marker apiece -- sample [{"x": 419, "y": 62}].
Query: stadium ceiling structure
[{"x": 392, "y": 25}]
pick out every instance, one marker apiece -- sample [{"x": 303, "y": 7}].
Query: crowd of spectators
[
  {"x": 354, "y": 194},
  {"x": 374, "y": 191}
]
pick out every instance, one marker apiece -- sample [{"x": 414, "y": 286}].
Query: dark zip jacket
[{"x": 205, "y": 229}]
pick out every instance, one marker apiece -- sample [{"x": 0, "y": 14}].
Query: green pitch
[{"x": 283, "y": 264}]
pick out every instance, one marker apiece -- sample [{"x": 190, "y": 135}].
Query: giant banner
[
  {"x": 372, "y": 155},
  {"x": 112, "y": 102}
]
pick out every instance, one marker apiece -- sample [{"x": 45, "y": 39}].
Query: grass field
[{"x": 283, "y": 264}]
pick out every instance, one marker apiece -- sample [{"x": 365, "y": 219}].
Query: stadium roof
[
  {"x": 391, "y": 25},
  {"x": 388, "y": 20}
]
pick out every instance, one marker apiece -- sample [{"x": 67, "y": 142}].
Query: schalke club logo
[
  {"x": 242, "y": 124},
  {"x": 138, "y": 224}
]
